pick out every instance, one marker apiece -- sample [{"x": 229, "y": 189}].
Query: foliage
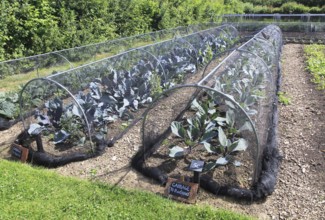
[
  {"x": 282, "y": 6},
  {"x": 32, "y": 27},
  {"x": 284, "y": 98},
  {"x": 294, "y": 8},
  {"x": 115, "y": 93},
  {"x": 315, "y": 55},
  {"x": 43, "y": 194},
  {"x": 211, "y": 129},
  {"x": 279, "y": 3},
  {"x": 243, "y": 82},
  {"x": 9, "y": 105}
]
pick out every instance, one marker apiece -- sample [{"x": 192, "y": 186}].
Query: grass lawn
[
  {"x": 12, "y": 82},
  {"x": 36, "y": 193}
]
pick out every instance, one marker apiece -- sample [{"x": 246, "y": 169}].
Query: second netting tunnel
[{"x": 228, "y": 120}]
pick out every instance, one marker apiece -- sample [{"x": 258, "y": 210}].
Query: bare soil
[{"x": 300, "y": 191}]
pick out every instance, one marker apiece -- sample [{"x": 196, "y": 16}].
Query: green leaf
[
  {"x": 230, "y": 117},
  {"x": 190, "y": 121},
  {"x": 250, "y": 100},
  {"x": 241, "y": 145},
  {"x": 178, "y": 129},
  {"x": 193, "y": 133},
  {"x": 37, "y": 102},
  {"x": 210, "y": 126},
  {"x": 222, "y": 161},
  {"x": 176, "y": 151},
  {"x": 209, "y": 166},
  {"x": 221, "y": 121},
  {"x": 212, "y": 111},
  {"x": 207, "y": 136},
  {"x": 202, "y": 120},
  {"x": 222, "y": 137},
  {"x": 208, "y": 147},
  {"x": 246, "y": 127},
  {"x": 8, "y": 109},
  {"x": 197, "y": 107}
]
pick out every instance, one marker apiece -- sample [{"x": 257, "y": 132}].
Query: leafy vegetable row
[{"x": 118, "y": 87}]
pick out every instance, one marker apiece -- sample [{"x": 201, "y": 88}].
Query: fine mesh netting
[
  {"x": 227, "y": 119},
  {"x": 74, "y": 114},
  {"x": 45, "y": 64},
  {"x": 296, "y": 28}
]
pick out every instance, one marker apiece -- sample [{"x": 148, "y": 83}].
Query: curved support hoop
[
  {"x": 222, "y": 31},
  {"x": 272, "y": 48},
  {"x": 228, "y": 57},
  {"x": 66, "y": 90},
  {"x": 223, "y": 61},
  {"x": 188, "y": 28},
  {"x": 66, "y": 59},
  {"x": 158, "y": 61},
  {"x": 182, "y": 28},
  {"x": 267, "y": 40},
  {"x": 265, "y": 64},
  {"x": 191, "y": 45},
  {"x": 216, "y": 56}
]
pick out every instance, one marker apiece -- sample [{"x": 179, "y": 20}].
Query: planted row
[
  {"x": 63, "y": 60},
  {"x": 88, "y": 99},
  {"x": 227, "y": 119}
]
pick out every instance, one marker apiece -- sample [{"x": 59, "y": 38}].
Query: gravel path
[{"x": 300, "y": 193}]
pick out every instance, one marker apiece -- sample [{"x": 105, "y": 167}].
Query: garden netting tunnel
[
  {"x": 73, "y": 115},
  {"x": 227, "y": 119},
  {"x": 62, "y": 60}
]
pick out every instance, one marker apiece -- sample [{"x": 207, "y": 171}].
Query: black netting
[
  {"x": 57, "y": 61},
  {"x": 44, "y": 65},
  {"x": 228, "y": 119},
  {"x": 80, "y": 110}
]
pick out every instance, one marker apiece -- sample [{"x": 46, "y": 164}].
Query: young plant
[
  {"x": 284, "y": 98},
  {"x": 216, "y": 134},
  {"x": 9, "y": 105}
]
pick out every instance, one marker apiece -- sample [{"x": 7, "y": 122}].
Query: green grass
[
  {"x": 315, "y": 59},
  {"x": 12, "y": 82},
  {"x": 35, "y": 193}
]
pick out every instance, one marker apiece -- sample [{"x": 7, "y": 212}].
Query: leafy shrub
[
  {"x": 262, "y": 9},
  {"x": 294, "y": 8},
  {"x": 248, "y": 8},
  {"x": 315, "y": 10}
]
